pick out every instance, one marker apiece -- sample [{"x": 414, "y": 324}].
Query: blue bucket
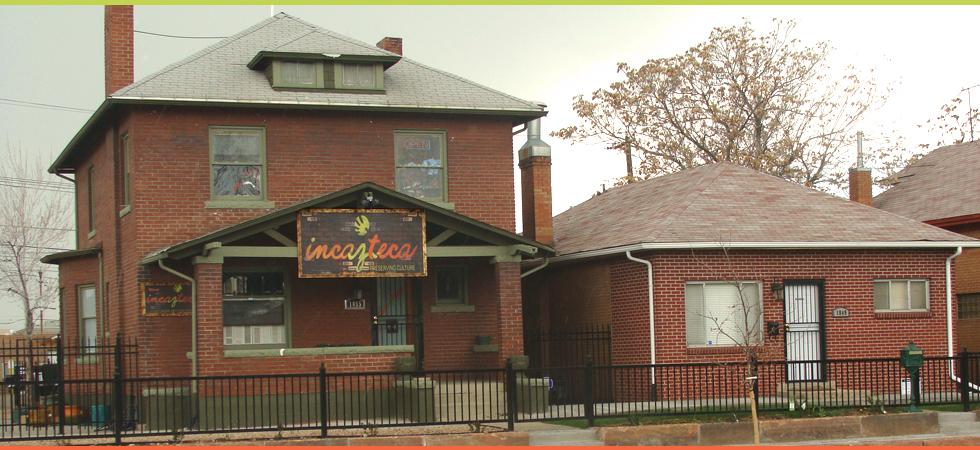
[{"x": 101, "y": 415}]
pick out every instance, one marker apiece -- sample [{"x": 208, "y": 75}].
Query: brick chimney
[
  {"x": 118, "y": 47},
  {"x": 534, "y": 159},
  {"x": 859, "y": 177},
  {"x": 392, "y": 44}
]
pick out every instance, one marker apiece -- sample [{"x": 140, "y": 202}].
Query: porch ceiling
[{"x": 273, "y": 235}]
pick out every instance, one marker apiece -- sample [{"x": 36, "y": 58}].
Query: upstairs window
[
  {"x": 91, "y": 201},
  {"x": 901, "y": 295},
  {"x": 359, "y": 76},
  {"x": 126, "y": 175},
  {"x": 301, "y": 74},
  {"x": 420, "y": 164},
  {"x": 238, "y": 164}
]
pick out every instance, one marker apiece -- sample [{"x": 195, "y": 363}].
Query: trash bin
[{"x": 101, "y": 415}]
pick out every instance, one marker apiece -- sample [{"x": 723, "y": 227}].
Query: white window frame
[
  {"x": 696, "y": 316},
  {"x": 908, "y": 289},
  {"x": 86, "y": 320}
]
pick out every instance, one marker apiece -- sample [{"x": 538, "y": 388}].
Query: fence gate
[
  {"x": 804, "y": 330},
  {"x": 571, "y": 347}
]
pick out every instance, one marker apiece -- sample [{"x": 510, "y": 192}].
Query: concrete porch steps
[
  {"x": 564, "y": 438},
  {"x": 959, "y": 424}
]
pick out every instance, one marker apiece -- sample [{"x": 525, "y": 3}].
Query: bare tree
[
  {"x": 741, "y": 323},
  {"x": 35, "y": 211},
  {"x": 766, "y": 102}
]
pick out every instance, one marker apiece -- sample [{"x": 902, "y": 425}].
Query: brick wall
[
  {"x": 309, "y": 153},
  {"x": 580, "y": 296},
  {"x": 848, "y": 277},
  {"x": 967, "y": 270}
]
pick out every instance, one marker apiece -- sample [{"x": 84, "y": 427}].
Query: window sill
[
  {"x": 714, "y": 350},
  {"x": 320, "y": 351},
  {"x": 239, "y": 204},
  {"x": 90, "y": 359},
  {"x": 489, "y": 348},
  {"x": 91, "y": 234},
  {"x": 126, "y": 209},
  {"x": 444, "y": 205},
  {"x": 453, "y": 308},
  {"x": 903, "y": 314}
]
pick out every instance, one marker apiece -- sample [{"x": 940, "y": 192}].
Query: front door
[
  {"x": 804, "y": 330},
  {"x": 396, "y": 320}
]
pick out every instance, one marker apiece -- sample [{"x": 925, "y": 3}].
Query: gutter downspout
[
  {"x": 193, "y": 319},
  {"x": 653, "y": 337},
  {"x": 949, "y": 317},
  {"x": 536, "y": 268}
]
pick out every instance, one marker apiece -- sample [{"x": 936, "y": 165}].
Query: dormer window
[
  {"x": 299, "y": 73},
  {"x": 360, "y": 76},
  {"x": 321, "y": 71}
]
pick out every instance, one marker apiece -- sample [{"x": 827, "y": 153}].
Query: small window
[
  {"x": 723, "y": 314},
  {"x": 127, "y": 170},
  {"x": 451, "y": 285},
  {"x": 901, "y": 295},
  {"x": 359, "y": 76},
  {"x": 88, "y": 316},
  {"x": 254, "y": 308},
  {"x": 91, "y": 201},
  {"x": 968, "y": 306},
  {"x": 237, "y": 164},
  {"x": 420, "y": 167}
]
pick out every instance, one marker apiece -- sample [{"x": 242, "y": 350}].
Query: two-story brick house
[{"x": 290, "y": 196}]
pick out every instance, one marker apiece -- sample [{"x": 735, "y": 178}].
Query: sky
[{"x": 53, "y": 55}]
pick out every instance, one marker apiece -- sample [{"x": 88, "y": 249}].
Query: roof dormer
[{"x": 322, "y": 71}]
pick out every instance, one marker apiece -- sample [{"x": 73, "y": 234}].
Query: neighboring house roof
[
  {"x": 219, "y": 76},
  {"x": 348, "y": 198},
  {"x": 726, "y": 204},
  {"x": 943, "y": 184}
]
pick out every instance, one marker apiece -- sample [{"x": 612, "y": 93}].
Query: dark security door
[
  {"x": 396, "y": 316},
  {"x": 804, "y": 330}
]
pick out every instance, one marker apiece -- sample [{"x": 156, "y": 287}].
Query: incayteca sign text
[
  {"x": 166, "y": 299},
  {"x": 365, "y": 243}
]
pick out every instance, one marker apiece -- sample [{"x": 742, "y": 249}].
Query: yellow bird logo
[{"x": 361, "y": 225}]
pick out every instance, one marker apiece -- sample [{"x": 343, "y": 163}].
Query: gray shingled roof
[
  {"x": 219, "y": 72},
  {"x": 729, "y": 204},
  {"x": 942, "y": 184}
]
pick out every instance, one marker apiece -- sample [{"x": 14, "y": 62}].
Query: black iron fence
[{"x": 122, "y": 407}]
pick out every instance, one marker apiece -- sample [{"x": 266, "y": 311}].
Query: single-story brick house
[
  {"x": 686, "y": 266},
  {"x": 943, "y": 189},
  {"x": 290, "y": 197}
]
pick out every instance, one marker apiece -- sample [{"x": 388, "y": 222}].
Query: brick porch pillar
[
  {"x": 510, "y": 316},
  {"x": 210, "y": 332}
]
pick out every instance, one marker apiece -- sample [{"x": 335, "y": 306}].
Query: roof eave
[
  {"x": 57, "y": 165},
  {"x": 763, "y": 246},
  {"x": 55, "y": 258}
]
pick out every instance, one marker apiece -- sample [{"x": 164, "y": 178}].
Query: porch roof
[{"x": 446, "y": 229}]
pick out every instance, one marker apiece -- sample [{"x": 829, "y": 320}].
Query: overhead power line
[
  {"x": 12, "y": 102},
  {"x": 178, "y": 37},
  {"x": 54, "y": 186}
]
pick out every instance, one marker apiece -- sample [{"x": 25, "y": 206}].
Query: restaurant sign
[
  {"x": 361, "y": 243},
  {"x": 166, "y": 299}
]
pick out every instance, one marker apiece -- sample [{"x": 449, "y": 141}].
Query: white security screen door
[{"x": 804, "y": 332}]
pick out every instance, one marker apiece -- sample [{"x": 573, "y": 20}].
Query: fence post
[
  {"x": 511, "y": 395},
  {"x": 60, "y": 355},
  {"x": 965, "y": 380},
  {"x": 117, "y": 391},
  {"x": 323, "y": 400},
  {"x": 589, "y": 394}
]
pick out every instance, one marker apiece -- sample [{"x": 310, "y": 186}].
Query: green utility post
[{"x": 912, "y": 359}]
